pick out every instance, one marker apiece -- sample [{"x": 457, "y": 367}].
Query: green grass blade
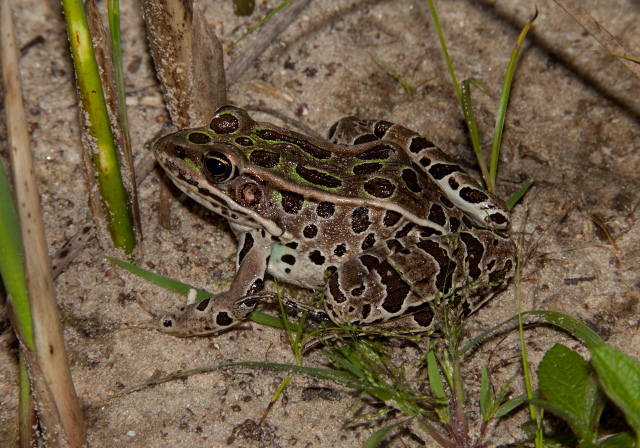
[
  {"x": 434, "y": 376},
  {"x": 396, "y": 75},
  {"x": 486, "y": 395},
  {"x": 183, "y": 289},
  {"x": 260, "y": 22},
  {"x": 105, "y": 159},
  {"x": 11, "y": 264},
  {"x": 513, "y": 200},
  {"x": 160, "y": 280},
  {"x": 377, "y": 437},
  {"x": 504, "y": 101},
  {"x": 452, "y": 72},
  {"x": 470, "y": 119}
]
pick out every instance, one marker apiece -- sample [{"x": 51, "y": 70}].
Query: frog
[{"x": 377, "y": 217}]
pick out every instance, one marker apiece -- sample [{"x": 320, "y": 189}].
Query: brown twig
[{"x": 47, "y": 330}]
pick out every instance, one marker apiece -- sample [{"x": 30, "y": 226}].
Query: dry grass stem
[
  {"x": 593, "y": 27},
  {"x": 49, "y": 343}
]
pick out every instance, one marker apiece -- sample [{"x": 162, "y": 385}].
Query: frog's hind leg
[{"x": 393, "y": 280}]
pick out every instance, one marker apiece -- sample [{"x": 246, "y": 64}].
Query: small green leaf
[
  {"x": 434, "y": 376},
  {"x": 377, "y": 437},
  {"x": 619, "y": 376},
  {"x": 513, "y": 200},
  {"x": 486, "y": 395},
  {"x": 622, "y": 440},
  {"x": 510, "y": 405},
  {"x": 564, "y": 378}
]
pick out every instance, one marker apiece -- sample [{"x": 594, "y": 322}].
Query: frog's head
[{"x": 213, "y": 165}]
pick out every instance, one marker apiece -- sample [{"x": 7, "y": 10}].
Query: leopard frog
[{"x": 377, "y": 217}]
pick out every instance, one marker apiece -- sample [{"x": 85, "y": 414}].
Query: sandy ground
[{"x": 572, "y": 126}]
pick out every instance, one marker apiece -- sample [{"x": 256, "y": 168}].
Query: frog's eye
[{"x": 217, "y": 167}]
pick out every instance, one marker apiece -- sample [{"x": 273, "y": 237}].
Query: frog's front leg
[{"x": 224, "y": 310}]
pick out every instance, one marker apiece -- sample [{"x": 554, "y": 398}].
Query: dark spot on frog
[
  {"x": 498, "y": 218},
  {"x": 265, "y": 159},
  {"x": 405, "y": 230},
  {"x": 244, "y": 141},
  {"x": 397, "y": 288},
  {"x": 292, "y": 245},
  {"x": 472, "y": 195},
  {"x": 378, "y": 152},
  {"x": 316, "y": 257},
  {"x": 446, "y": 202},
  {"x": 423, "y": 318},
  {"x": 454, "y": 224},
  {"x": 379, "y": 187},
  {"x": 317, "y": 177},
  {"x": 425, "y": 162},
  {"x": 310, "y": 231},
  {"x": 366, "y": 310},
  {"x": 331, "y": 269},
  {"x": 340, "y": 249},
  {"x": 453, "y": 184},
  {"x": 475, "y": 250},
  {"x": 332, "y": 130},
  {"x": 289, "y": 259},
  {"x": 419, "y": 143},
  {"x": 255, "y": 287},
  {"x": 391, "y": 218},
  {"x": 365, "y": 138},
  {"x": 291, "y": 202},
  {"x": 411, "y": 180},
  {"x": 336, "y": 292},
  {"x": 357, "y": 292},
  {"x": 179, "y": 151},
  {"x": 325, "y": 209},
  {"x": 167, "y": 323},
  {"x": 223, "y": 319},
  {"x": 199, "y": 138},
  {"x": 369, "y": 261},
  {"x": 368, "y": 242},
  {"x": 202, "y": 305},
  {"x": 360, "y": 219},
  {"x": 446, "y": 265},
  {"x": 246, "y": 247},
  {"x": 366, "y": 168},
  {"x": 394, "y": 246},
  {"x": 436, "y": 215},
  {"x": 224, "y": 124},
  {"x": 381, "y": 128},
  {"x": 440, "y": 170}
]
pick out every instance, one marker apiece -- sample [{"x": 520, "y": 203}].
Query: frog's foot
[{"x": 209, "y": 316}]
